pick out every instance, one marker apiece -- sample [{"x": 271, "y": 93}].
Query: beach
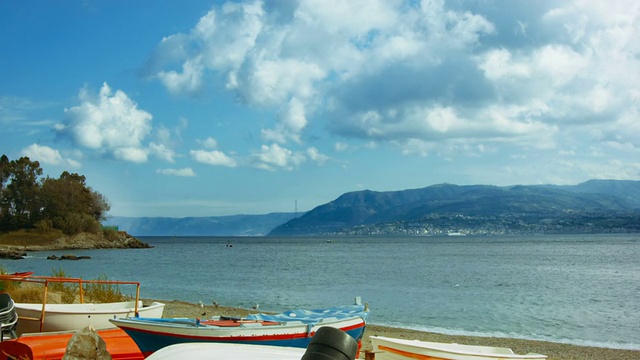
[{"x": 554, "y": 351}]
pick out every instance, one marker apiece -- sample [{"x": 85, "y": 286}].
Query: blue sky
[{"x": 209, "y": 108}]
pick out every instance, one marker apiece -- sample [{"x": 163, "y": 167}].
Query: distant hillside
[
  {"x": 233, "y": 225},
  {"x": 593, "y": 206}
]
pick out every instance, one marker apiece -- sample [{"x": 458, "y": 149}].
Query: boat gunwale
[
  {"x": 441, "y": 347},
  {"x": 58, "y": 308},
  {"x": 156, "y": 325}
]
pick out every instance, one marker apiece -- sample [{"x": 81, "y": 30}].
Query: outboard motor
[{"x": 330, "y": 343}]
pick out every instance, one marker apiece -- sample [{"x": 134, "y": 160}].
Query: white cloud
[
  {"x": 109, "y": 123},
  {"x": 47, "y": 155},
  {"x": 185, "y": 172},
  {"x": 316, "y": 156},
  {"x": 498, "y": 64},
  {"x": 291, "y": 122},
  {"x": 210, "y": 143},
  {"x": 273, "y": 157},
  {"x": 188, "y": 81},
  {"x": 162, "y": 152},
  {"x": 340, "y": 146},
  {"x": 131, "y": 154},
  {"x": 214, "y": 157},
  {"x": 428, "y": 76}
]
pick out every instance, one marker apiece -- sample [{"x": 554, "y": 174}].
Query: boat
[
  {"x": 327, "y": 343},
  {"x": 62, "y": 317},
  {"x": 44, "y": 317},
  {"x": 226, "y": 351},
  {"x": 292, "y": 328},
  {"x": 386, "y": 348},
  {"x": 52, "y": 346}
]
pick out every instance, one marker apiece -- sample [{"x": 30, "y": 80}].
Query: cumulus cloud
[
  {"x": 292, "y": 121},
  {"x": 185, "y": 172},
  {"x": 316, "y": 156},
  {"x": 210, "y": 143},
  {"x": 213, "y": 157},
  {"x": 109, "y": 123},
  {"x": 431, "y": 77},
  {"x": 47, "y": 155},
  {"x": 188, "y": 81},
  {"x": 273, "y": 157}
]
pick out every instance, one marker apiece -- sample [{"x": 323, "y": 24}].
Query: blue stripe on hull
[{"x": 151, "y": 342}]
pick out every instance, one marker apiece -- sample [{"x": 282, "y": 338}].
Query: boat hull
[
  {"x": 224, "y": 351},
  {"x": 67, "y": 317},
  {"x": 52, "y": 346},
  {"x": 401, "y": 349},
  {"x": 154, "y": 334}
]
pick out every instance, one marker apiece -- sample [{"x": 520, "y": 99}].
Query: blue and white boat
[{"x": 292, "y": 328}]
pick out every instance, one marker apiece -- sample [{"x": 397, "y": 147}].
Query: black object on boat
[{"x": 330, "y": 343}]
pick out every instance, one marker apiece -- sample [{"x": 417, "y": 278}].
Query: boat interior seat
[{"x": 8, "y": 316}]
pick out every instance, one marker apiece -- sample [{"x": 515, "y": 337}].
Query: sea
[{"x": 574, "y": 289}]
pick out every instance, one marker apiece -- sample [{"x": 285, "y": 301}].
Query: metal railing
[{"x": 46, "y": 280}]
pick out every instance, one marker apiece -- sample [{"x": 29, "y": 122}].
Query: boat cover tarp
[{"x": 315, "y": 315}]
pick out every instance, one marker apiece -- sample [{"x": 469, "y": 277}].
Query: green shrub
[
  {"x": 110, "y": 234},
  {"x": 103, "y": 293},
  {"x": 44, "y": 226},
  {"x": 27, "y": 294},
  {"x": 74, "y": 223},
  {"x": 7, "y": 286},
  {"x": 67, "y": 291}
]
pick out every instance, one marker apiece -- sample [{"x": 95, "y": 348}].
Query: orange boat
[{"x": 52, "y": 346}]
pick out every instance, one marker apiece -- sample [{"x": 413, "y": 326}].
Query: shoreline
[{"x": 554, "y": 351}]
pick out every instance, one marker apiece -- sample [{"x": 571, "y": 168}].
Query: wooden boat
[
  {"x": 400, "y": 349},
  {"x": 62, "y": 317},
  {"x": 226, "y": 351},
  {"x": 293, "y": 328},
  {"x": 52, "y": 346}
]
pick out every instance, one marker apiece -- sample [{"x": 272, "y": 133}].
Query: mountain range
[
  {"x": 592, "y": 206},
  {"x": 232, "y": 225}
]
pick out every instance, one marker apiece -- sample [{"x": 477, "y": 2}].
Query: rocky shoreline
[{"x": 17, "y": 249}]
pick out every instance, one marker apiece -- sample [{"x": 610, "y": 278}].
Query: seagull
[
  {"x": 256, "y": 306},
  {"x": 201, "y": 304},
  {"x": 215, "y": 303}
]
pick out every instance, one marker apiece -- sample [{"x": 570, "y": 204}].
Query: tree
[
  {"x": 20, "y": 198},
  {"x": 5, "y": 174},
  {"x": 71, "y": 204},
  {"x": 27, "y": 201}
]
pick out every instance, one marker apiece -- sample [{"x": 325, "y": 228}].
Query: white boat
[
  {"x": 45, "y": 317},
  {"x": 226, "y": 351},
  {"x": 64, "y": 317},
  {"x": 400, "y": 349}
]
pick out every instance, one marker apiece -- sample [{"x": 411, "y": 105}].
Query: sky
[{"x": 211, "y": 108}]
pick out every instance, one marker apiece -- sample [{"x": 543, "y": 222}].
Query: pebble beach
[{"x": 554, "y": 351}]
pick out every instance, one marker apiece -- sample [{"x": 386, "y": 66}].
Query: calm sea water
[{"x": 580, "y": 289}]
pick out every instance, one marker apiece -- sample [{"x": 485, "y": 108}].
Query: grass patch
[
  {"x": 7, "y": 286},
  {"x": 62, "y": 293},
  {"x": 30, "y": 237},
  {"x": 103, "y": 293},
  {"x": 67, "y": 291},
  {"x": 29, "y": 293}
]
